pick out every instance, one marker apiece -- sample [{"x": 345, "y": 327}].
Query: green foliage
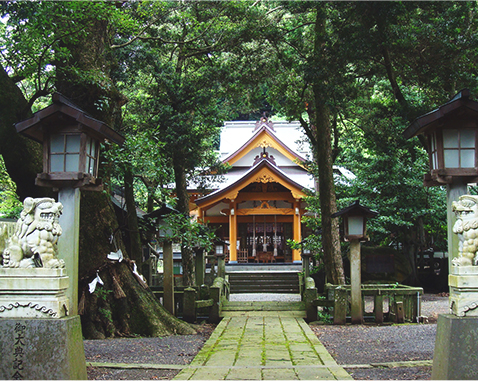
[
  {"x": 325, "y": 317},
  {"x": 185, "y": 67},
  {"x": 10, "y": 205},
  {"x": 102, "y": 293},
  {"x": 188, "y": 232},
  {"x": 389, "y": 176}
]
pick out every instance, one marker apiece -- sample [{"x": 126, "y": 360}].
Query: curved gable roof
[
  {"x": 264, "y": 137},
  {"x": 264, "y": 172}
]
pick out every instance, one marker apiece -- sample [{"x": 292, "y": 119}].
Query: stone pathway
[{"x": 257, "y": 347}]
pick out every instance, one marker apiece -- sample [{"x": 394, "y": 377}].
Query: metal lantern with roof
[
  {"x": 71, "y": 144},
  {"x": 451, "y": 136}
]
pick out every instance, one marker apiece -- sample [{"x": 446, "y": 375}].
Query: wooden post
[
  {"x": 168, "y": 277},
  {"x": 232, "y": 232},
  {"x": 68, "y": 244},
  {"x": 453, "y": 193},
  {"x": 355, "y": 281},
  {"x": 378, "y": 307},
  {"x": 297, "y": 234},
  {"x": 200, "y": 267}
]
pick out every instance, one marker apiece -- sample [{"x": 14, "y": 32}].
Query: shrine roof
[
  {"x": 237, "y": 137},
  {"x": 263, "y": 171}
]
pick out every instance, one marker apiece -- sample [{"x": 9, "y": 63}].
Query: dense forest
[{"x": 167, "y": 74}]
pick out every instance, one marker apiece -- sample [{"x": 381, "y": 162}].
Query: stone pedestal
[
  {"x": 42, "y": 349},
  {"x": 33, "y": 293},
  {"x": 456, "y": 347},
  {"x": 356, "y": 282},
  {"x": 463, "y": 282}
]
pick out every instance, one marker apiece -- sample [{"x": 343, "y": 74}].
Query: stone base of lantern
[
  {"x": 38, "y": 340},
  {"x": 456, "y": 346},
  {"x": 42, "y": 349},
  {"x": 33, "y": 293},
  {"x": 463, "y": 282}
]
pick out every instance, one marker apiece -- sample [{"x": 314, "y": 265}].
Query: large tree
[
  {"x": 403, "y": 72},
  {"x": 305, "y": 88},
  {"x": 78, "y": 44},
  {"x": 180, "y": 61}
]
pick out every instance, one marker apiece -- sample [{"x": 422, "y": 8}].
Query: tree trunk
[
  {"x": 23, "y": 157},
  {"x": 328, "y": 205},
  {"x": 187, "y": 255},
  {"x": 135, "y": 247},
  {"x": 121, "y": 307},
  {"x": 323, "y": 155}
]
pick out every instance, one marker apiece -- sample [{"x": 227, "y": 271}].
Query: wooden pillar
[
  {"x": 232, "y": 232},
  {"x": 200, "y": 214},
  {"x": 168, "y": 277},
  {"x": 297, "y": 234}
]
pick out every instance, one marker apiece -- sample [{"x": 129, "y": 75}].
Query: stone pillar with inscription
[
  {"x": 456, "y": 341},
  {"x": 41, "y": 339}
]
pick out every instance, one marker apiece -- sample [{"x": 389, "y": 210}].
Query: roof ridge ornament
[
  {"x": 264, "y": 156},
  {"x": 264, "y": 121}
]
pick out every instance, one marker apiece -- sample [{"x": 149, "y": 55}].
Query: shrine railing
[{"x": 391, "y": 302}]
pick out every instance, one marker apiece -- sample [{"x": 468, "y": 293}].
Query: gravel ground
[
  {"x": 349, "y": 344},
  {"x": 369, "y": 344},
  {"x": 146, "y": 350}
]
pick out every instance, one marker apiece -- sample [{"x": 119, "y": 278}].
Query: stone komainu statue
[
  {"x": 36, "y": 235},
  {"x": 466, "y": 226}
]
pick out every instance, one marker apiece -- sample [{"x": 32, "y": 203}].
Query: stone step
[
  {"x": 264, "y": 282},
  {"x": 261, "y": 267},
  {"x": 282, "y": 314},
  {"x": 263, "y": 306}
]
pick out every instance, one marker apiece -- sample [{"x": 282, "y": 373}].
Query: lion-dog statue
[{"x": 34, "y": 242}]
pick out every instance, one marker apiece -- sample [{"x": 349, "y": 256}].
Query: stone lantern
[
  {"x": 450, "y": 134},
  {"x": 451, "y": 137},
  {"x": 71, "y": 147},
  {"x": 71, "y": 144},
  {"x": 355, "y": 221},
  {"x": 50, "y": 339},
  {"x": 355, "y": 218}
]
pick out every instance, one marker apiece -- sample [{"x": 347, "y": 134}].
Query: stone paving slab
[{"x": 270, "y": 347}]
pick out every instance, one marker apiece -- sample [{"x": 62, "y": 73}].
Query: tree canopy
[{"x": 168, "y": 73}]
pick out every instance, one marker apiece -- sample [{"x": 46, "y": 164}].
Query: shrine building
[{"x": 260, "y": 204}]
